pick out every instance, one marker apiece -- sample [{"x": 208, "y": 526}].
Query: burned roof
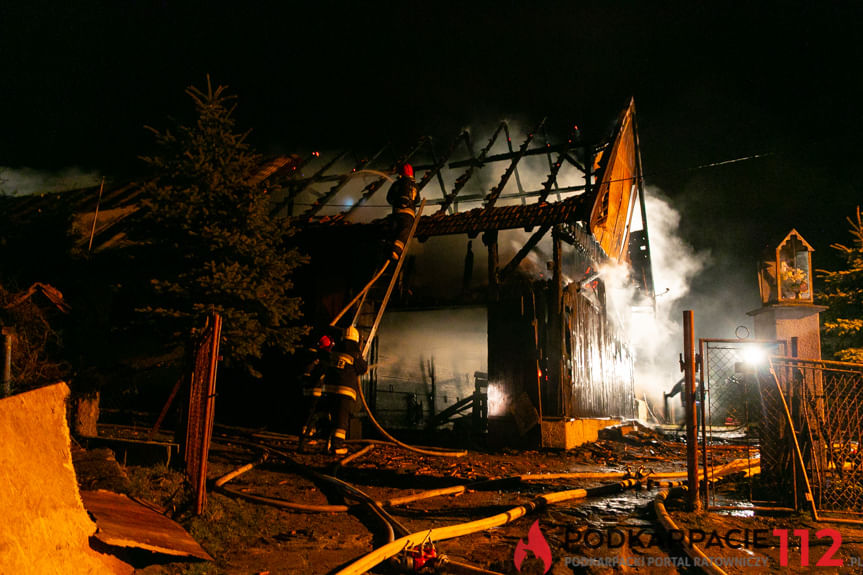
[
  {"x": 477, "y": 220},
  {"x": 541, "y": 182}
]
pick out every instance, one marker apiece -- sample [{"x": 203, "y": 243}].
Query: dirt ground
[{"x": 617, "y": 532}]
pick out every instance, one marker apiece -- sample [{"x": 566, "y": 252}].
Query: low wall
[{"x": 45, "y": 527}]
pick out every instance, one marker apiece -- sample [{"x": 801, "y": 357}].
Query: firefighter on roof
[
  {"x": 402, "y": 196},
  {"x": 341, "y": 385}
]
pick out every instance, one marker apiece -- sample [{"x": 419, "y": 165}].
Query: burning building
[
  {"x": 499, "y": 313},
  {"x": 500, "y": 307}
]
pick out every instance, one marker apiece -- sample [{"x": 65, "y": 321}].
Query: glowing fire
[{"x": 498, "y": 400}]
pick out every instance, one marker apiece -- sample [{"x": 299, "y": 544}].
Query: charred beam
[
  {"x": 509, "y": 156},
  {"x": 576, "y": 235},
  {"x": 555, "y": 168},
  {"x": 489, "y": 238},
  {"x": 435, "y": 169},
  {"x": 301, "y": 185},
  {"x": 495, "y": 191},
  {"x": 530, "y": 194},
  {"x": 556, "y": 341},
  {"x": 517, "y": 177},
  {"x": 522, "y": 253},
  {"x": 366, "y": 194},
  {"x": 343, "y": 180},
  {"x": 472, "y": 164},
  {"x": 574, "y": 209}
]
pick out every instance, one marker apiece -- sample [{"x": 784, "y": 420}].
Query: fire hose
[
  {"x": 417, "y": 540},
  {"x": 695, "y": 553},
  {"x": 361, "y": 295},
  {"x": 370, "y": 560},
  {"x": 385, "y": 552},
  {"x": 733, "y": 466}
]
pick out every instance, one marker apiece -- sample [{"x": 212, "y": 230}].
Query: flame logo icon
[{"x": 535, "y": 542}]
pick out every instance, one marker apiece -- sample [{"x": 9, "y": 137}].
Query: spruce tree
[
  {"x": 212, "y": 240},
  {"x": 842, "y": 291}
]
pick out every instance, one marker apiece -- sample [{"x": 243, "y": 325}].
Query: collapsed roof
[{"x": 540, "y": 184}]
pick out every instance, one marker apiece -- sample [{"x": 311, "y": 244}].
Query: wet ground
[{"x": 618, "y": 532}]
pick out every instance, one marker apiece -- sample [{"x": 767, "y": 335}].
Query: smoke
[
  {"x": 440, "y": 349},
  {"x": 656, "y": 337},
  {"x": 24, "y": 181}
]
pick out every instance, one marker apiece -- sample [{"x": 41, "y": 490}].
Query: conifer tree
[
  {"x": 842, "y": 333},
  {"x": 216, "y": 247}
]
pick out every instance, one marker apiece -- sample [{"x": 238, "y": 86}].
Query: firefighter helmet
[
  {"x": 325, "y": 343},
  {"x": 406, "y": 170},
  {"x": 351, "y": 334}
]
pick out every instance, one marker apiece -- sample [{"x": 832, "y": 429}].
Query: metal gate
[
  {"x": 736, "y": 406},
  {"x": 729, "y": 381},
  {"x": 825, "y": 400}
]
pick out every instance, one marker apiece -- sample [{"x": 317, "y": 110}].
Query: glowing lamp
[
  {"x": 785, "y": 275},
  {"x": 754, "y": 355}
]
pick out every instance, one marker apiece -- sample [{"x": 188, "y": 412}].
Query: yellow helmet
[{"x": 351, "y": 334}]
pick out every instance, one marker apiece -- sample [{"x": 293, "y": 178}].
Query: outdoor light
[{"x": 754, "y": 355}]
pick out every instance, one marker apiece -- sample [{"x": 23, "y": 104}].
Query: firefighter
[
  {"x": 402, "y": 196},
  {"x": 318, "y": 361},
  {"x": 342, "y": 384}
]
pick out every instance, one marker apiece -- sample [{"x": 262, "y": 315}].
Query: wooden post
[
  {"x": 556, "y": 336},
  {"x": 489, "y": 238},
  {"x": 704, "y": 488},
  {"x": 688, "y": 366}
]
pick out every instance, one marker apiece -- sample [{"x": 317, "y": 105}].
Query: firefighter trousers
[{"x": 343, "y": 396}]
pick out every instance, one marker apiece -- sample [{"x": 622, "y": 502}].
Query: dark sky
[{"x": 712, "y": 82}]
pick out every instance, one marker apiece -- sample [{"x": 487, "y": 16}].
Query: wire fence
[
  {"x": 790, "y": 411},
  {"x": 825, "y": 401},
  {"x": 731, "y": 406},
  {"x": 731, "y": 391}
]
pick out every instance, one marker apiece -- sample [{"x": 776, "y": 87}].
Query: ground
[{"x": 253, "y": 538}]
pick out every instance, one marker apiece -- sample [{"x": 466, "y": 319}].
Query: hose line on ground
[
  {"x": 385, "y": 433},
  {"x": 381, "y": 554},
  {"x": 345, "y": 488},
  {"x": 689, "y": 547}
]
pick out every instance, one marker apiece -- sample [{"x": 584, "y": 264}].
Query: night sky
[{"x": 712, "y": 82}]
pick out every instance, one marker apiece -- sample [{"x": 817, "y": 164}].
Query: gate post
[{"x": 688, "y": 367}]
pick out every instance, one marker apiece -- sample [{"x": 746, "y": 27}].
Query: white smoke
[
  {"x": 24, "y": 181},
  {"x": 657, "y": 337}
]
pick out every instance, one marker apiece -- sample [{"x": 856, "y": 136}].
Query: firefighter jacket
[
  {"x": 347, "y": 366},
  {"x": 402, "y": 196},
  {"x": 317, "y": 362}
]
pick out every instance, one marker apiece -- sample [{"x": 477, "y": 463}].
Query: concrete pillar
[{"x": 786, "y": 321}]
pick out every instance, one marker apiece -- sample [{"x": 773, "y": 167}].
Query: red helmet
[
  {"x": 325, "y": 342},
  {"x": 406, "y": 170}
]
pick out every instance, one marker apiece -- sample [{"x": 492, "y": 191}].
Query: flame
[
  {"x": 535, "y": 542},
  {"x": 498, "y": 400}
]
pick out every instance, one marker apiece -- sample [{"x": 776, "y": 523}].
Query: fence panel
[{"x": 826, "y": 398}]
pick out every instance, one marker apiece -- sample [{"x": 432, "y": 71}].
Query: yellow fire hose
[
  {"x": 381, "y": 554},
  {"x": 389, "y": 550},
  {"x": 385, "y": 433},
  {"x": 738, "y": 465},
  {"x": 666, "y": 480},
  {"x": 694, "y": 552}
]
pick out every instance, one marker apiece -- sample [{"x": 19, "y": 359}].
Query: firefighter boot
[{"x": 337, "y": 442}]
